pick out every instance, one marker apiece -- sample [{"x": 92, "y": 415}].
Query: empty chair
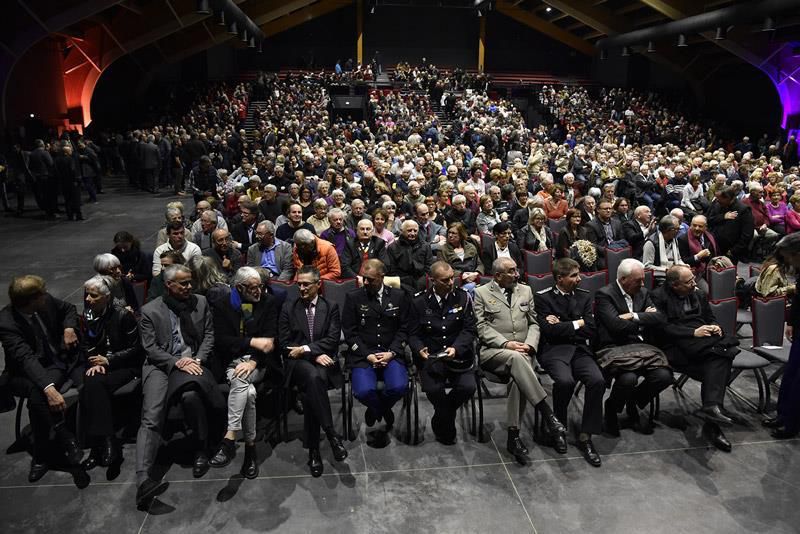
[
  {"x": 540, "y": 281},
  {"x": 538, "y": 262},
  {"x": 721, "y": 283},
  {"x": 768, "y": 331},
  {"x": 593, "y": 281},
  {"x": 335, "y": 291},
  {"x": 613, "y": 258},
  {"x": 556, "y": 225}
]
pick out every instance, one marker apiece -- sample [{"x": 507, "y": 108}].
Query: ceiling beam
[
  {"x": 590, "y": 15},
  {"x": 550, "y": 30},
  {"x": 303, "y": 15}
]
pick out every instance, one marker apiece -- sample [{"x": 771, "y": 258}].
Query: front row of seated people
[{"x": 245, "y": 337}]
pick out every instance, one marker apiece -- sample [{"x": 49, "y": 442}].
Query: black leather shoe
[
  {"x": 771, "y": 422},
  {"x": 553, "y": 425},
  {"x": 108, "y": 452},
  {"x": 589, "y": 452},
  {"x": 610, "y": 420},
  {"x": 250, "y": 464},
  {"x": 782, "y": 433},
  {"x": 298, "y": 407},
  {"x": 560, "y": 443},
  {"x": 515, "y": 446},
  {"x": 200, "y": 466},
  {"x": 147, "y": 490},
  {"x": 38, "y": 470},
  {"x": 369, "y": 417},
  {"x": 225, "y": 454},
  {"x": 91, "y": 462},
  {"x": 339, "y": 452},
  {"x": 315, "y": 462},
  {"x": 713, "y": 414},
  {"x": 388, "y": 417},
  {"x": 72, "y": 450},
  {"x": 715, "y": 436}
]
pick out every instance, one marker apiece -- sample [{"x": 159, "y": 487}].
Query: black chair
[
  {"x": 613, "y": 258},
  {"x": 540, "y": 281},
  {"x": 768, "y": 332},
  {"x": 538, "y": 262},
  {"x": 292, "y": 290},
  {"x": 721, "y": 283},
  {"x": 337, "y": 290},
  {"x": 593, "y": 281},
  {"x": 556, "y": 225},
  {"x": 649, "y": 279}
]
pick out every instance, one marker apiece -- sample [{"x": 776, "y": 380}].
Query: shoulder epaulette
[
  {"x": 543, "y": 291},
  {"x": 581, "y": 290}
]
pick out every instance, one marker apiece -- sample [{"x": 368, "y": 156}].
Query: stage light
[
  {"x": 722, "y": 34},
  {"x": 233, "y": 29},
  {"x": 203, "y": 7},
  {"x": 626, "y": 51},
  {"x": 682, "y": 40},
  {"x": 769, "y": 25},
  {"x": 651, "y": 47},
  {"x": 221, "y": 18}
]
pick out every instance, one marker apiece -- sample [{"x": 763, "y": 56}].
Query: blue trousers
[
  {"x": 365, "y": 386},
  {"x": 789, "y": 394}
]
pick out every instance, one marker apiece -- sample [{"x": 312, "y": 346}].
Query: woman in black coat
[
  {"x": 570, "y": 233},
  {"x": 530, "y": 236},
  {"x": 137, "y": 266}
]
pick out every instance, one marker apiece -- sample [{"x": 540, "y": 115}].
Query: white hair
[{"x": 627, "y": 266}]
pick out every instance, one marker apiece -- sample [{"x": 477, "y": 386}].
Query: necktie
[
  {"x": 509, "y": 292},
  {"x": 310, "y": 319},
  {"x": 609, "y": 232},
  {"x": 702, "y": 241},
  {"x": 42, "y": 338}
]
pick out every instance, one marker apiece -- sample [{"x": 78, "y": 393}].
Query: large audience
[{"x": 440, "y": 232}]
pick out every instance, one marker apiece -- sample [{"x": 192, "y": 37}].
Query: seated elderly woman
[
  {"x": 462, "y": 255},
  {"x": 206, "y": 276},
  {"x": 114, "y": 354},
  {"x": 488, "y": 216},
  {"x": 121, "y": 289},
  {"x": 535, "y": 235}
]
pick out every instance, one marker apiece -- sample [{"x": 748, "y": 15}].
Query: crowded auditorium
[{"x": 304, "y": 264}]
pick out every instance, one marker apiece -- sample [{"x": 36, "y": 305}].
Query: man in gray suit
[
  {"x": 178, "y": 336},
  {"x": 271, "y": 253},
  {"x": 509, "y": 334}
]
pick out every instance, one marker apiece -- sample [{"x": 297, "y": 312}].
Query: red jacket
[{"x": 326, "y": 260}]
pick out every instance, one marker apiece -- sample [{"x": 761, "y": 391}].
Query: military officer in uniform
[
  {"x": 442, "y": 334},
  {"x": 375, "y": 325},
  {"x": 567, "y": 323},
  {"x": 509, "y": 335}
]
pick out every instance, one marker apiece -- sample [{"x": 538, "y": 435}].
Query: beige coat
[{"x": 499, "y": 323}]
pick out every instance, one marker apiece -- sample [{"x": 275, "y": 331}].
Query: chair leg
[
  {"x": 415, "y": 400},
  {"x": 285, "y": 414},
  {"x": 536, "y": 432},
  {"x": 480, "y": 412},
  {"x": 345, "y": 432},
  {"x": 679, "y": 383},
  {"x": 18, "y": 421},
  {"x": 352, "y": 435},
  {"x": 776, "y": 375},
  {"x": 473, "y": 417},
  {"x": 767, "y": 392},
  {"x": 407, "y": 408}
]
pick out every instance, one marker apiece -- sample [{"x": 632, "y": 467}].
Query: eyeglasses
[
  {"x": 306, "y": 284},
  {"x": 182, "y": 283}
]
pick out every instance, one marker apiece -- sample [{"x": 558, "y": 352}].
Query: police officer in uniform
[
  {"x": 375, "y": 325},
  {"x": 442, "y": 333},
  {"x": 567, "y": 325}
]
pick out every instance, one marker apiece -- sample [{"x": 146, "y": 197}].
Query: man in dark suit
[
  {"x": 624, "y": 310},
  {"x": 567, "y": 325},
  {"x": 177, "y": 333},
  {"x": 245, "y": 329},
  {"x": 503, "y": 246},
  {"x": 39, "y": 337},
  {"x": 638, "y": 229},
  {"x": 697, "y": 247},
  {"x": 309, "y": 332},
  {"x": 443, "y": 330},
  {"x": 366, "y": 246},
  {"x": 46, "y": 186},
  {"x": 375, "y": 325},
  {"x": 603, "y": 229},
  {"x": 244, "y": 232},
  {"x": 150, "y": 164},
  {"x": 696, "y": 345},
  {"x": 731, "y": 223}
]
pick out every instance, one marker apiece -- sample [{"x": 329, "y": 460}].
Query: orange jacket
[{"x": 327, "y": 261}]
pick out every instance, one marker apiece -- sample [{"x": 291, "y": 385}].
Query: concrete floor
[{"x": 666, "y": 482}]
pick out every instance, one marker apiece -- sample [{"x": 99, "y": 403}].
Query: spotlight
[
  {"x": 769, "y": 25},
  {"x": 682, "y": 40},
  {"x": 372, "y": 10},
  {"x": 32, "y": 115},
  {"x": 651, "y": 47},
  {"x": 233, "y": 29},
  {"x": 203, "y": 7},
  {"x": 603, "y": 54},
  {"x": 722, "y": 33},
  {"x": 626, "y": 51},
  {"x": 479, "y": 13},
  {"x": 548, "y": 9},
  {"x": 221, "y": 18}
]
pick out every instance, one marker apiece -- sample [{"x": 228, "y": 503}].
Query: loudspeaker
[{"x": 348, "y": 102}]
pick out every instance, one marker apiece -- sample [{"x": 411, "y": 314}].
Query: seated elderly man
[
  {"x": 270, "y": 253},
  {"x": 660, "y": 250},
  {"x": 763, "y": 236},
  {"x": 245, "y": 329},
  {"x": 409, "y": 257},
  {"x": 202, "y": 207},
  {"x": 177, "y": 333},
  {"x": 357, "y": 212},
  {"x": 316, "y": 252},
  {"x": 509, "y": 337},
  {"x": 227, "y": 258},
  {"x": 176, "y": 234},
  {"x": 429, "y": 231},
  {"x": 697, "y": 248},
  {"x": 208, "y": 223},
  {"x": 624, "y": 310},
  {"x": 39, "y": 334},
  {"x": 366, "y": 246},
  {"x": 337, "y": 233},
  {"x": 319, "y": 220},
  {"x": 173, "y": 213},
  {"x": 696, "y": 345}
]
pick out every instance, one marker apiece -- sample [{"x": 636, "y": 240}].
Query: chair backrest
[
  {"x": 769, "y": 317},
  {"x": 538, "y": 262},
  {"x": 613, "y": 258},
  {"x": 593, "y": 281},
  {"x": 649, "y": 279},
  {"x": 335, "y": 290},
  {"x": 291, "y": 289},
  {"x": 725, "y": 313},
  {"x": 537, "y": 282},
  {"x": 721, "y": 283},
  {"x": 457, "y": 281},
  {"x": 486, "y": 238},
  {"x": 556, "y": 225},
  {"x": 755, "y": 270},
  {"x": 484, "y": 279},
  {"x": 140, "y": 290}
]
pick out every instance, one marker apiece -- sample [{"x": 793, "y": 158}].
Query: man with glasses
[
  {"x": 309, "y": 333},
  {"x": 177, "y": 334},
  {"x": 271, "y": 253},
  {"x": 696, "y": 345},
  {"x": 509, "y": 337},
  {"x": 442, "y": 334},
  {"x": 661, "y": 250}
]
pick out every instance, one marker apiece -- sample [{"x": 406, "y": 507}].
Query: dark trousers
[
  {"x": 194, "y": 412},
  {"x": 149, "y": 179},
  {"x": 72, "y": 199},
  {"x": 789, "y": 394},
  {"x": 96, "y": 397},
  {"x": 43, "y": 421},
  {"x": 89, "y": 185},
  {"x": 713, "y": 372},
  {"x": 312, "y": 380},
  {"x": 365, "y": 386},
  {"x": 625, "y": 387},
  {"x": 435, "y": 379},
  {"x": 565, "y": 375}
]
